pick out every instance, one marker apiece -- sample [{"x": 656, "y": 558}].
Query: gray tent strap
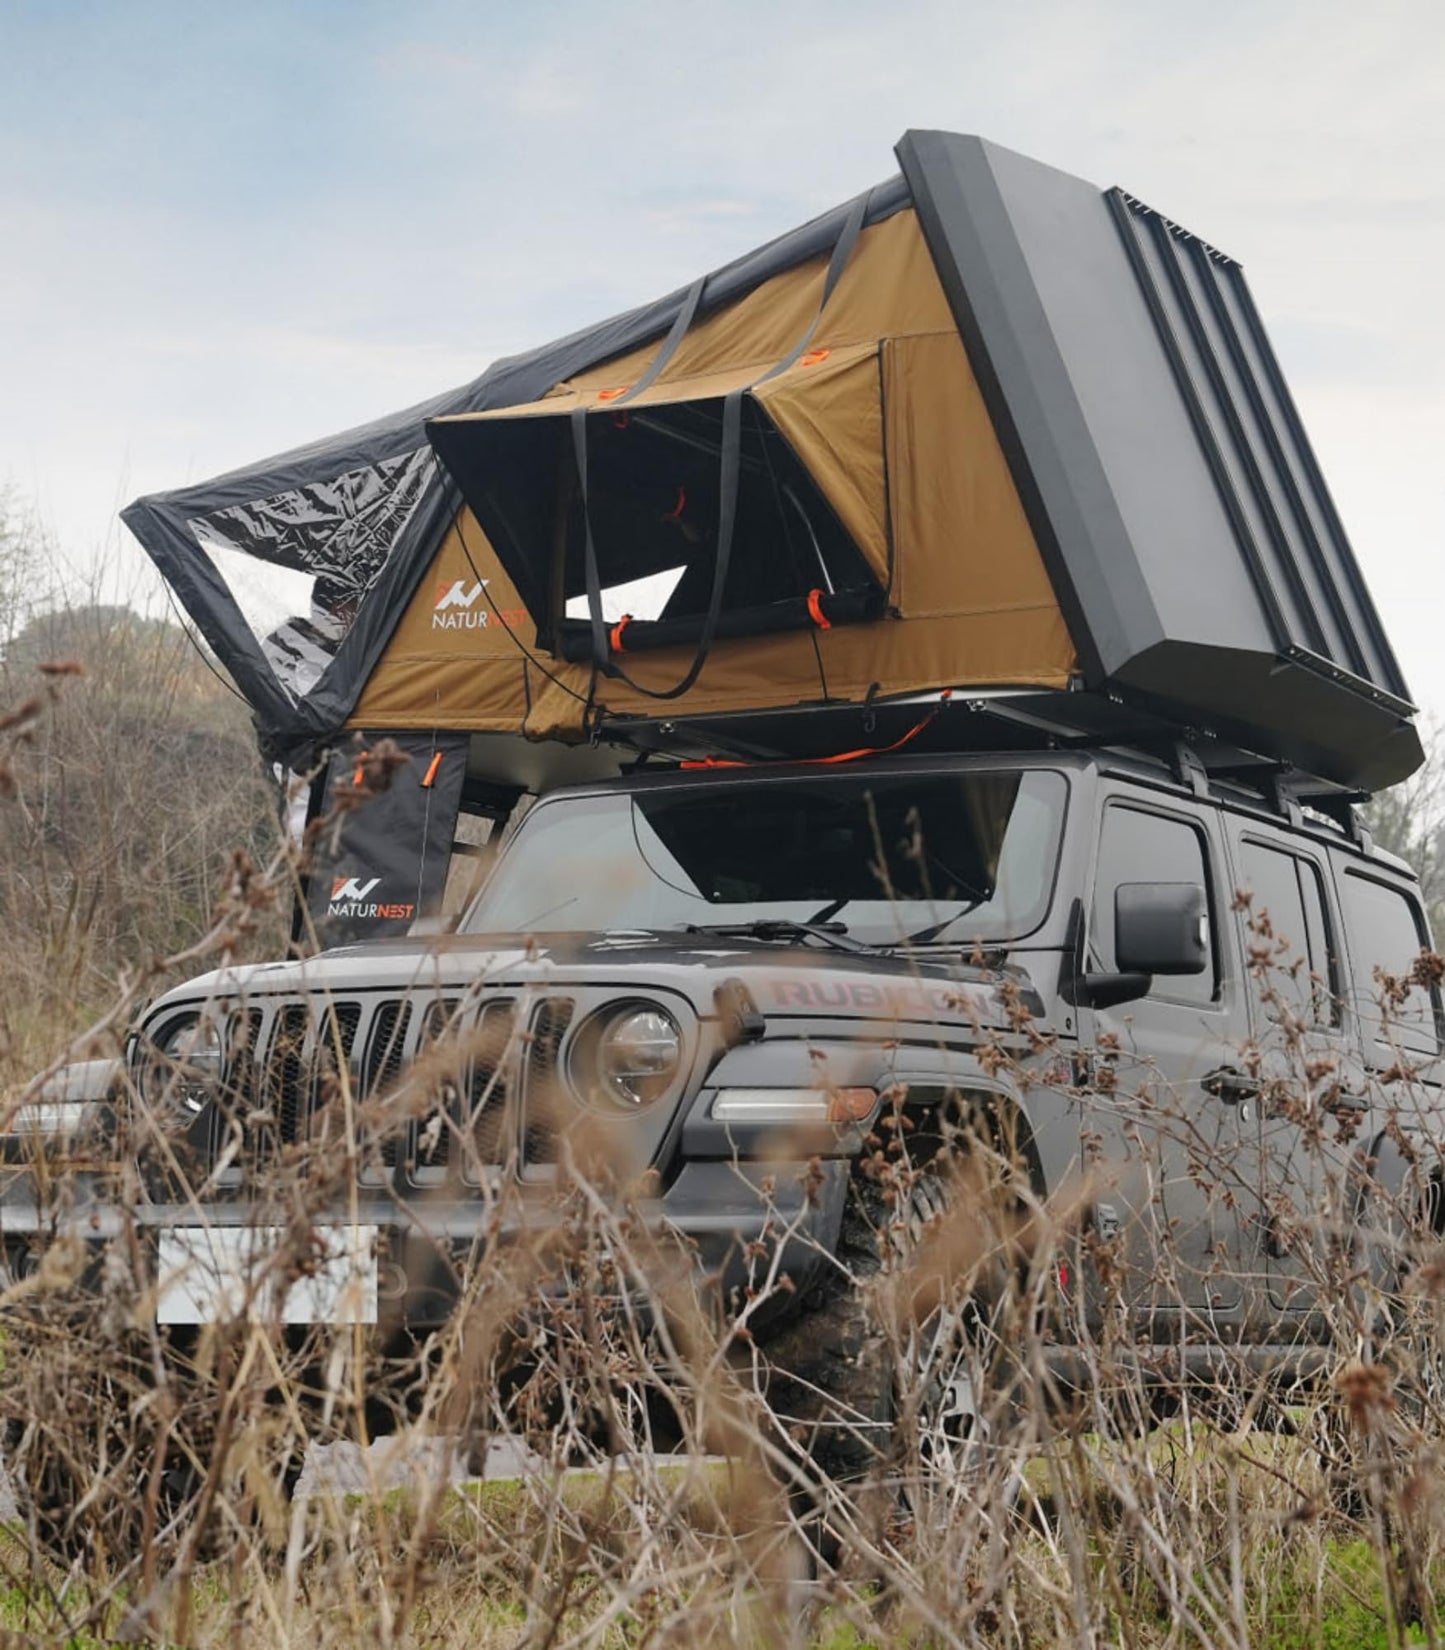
[
  {"x": 589, "y": 551},
  {"x": 731, "y": 456},
  {"x": 732, "y": 445},
  {"x": 681, "y": 322},
  {"x": 842, "y": 251},
  {"x": 669, "y": 344}
]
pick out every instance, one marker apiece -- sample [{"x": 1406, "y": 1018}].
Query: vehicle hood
[{"x": 802, "y": 981}]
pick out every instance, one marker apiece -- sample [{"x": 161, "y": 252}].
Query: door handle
[
  {"x": 1340, "y": 1103},
  {"x": 1230, "y": 1084}
]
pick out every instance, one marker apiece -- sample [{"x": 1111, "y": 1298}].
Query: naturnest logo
[
  {"x": 456, "y": 607},
  {"x": 351, "y": 897}
]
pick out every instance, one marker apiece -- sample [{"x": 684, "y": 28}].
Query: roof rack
[{"x": 1198, "y": 759}]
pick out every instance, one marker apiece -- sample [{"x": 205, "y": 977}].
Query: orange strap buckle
[
  {"x": 614, "y": 639},
  {"x": 430, "y": 776},
  {"x": 815, "y": 610}
]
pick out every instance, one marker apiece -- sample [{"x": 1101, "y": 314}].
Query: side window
[
  {"x": 1288, "y": 943},
  {"x": 1140, "y": 846},
  {"x": 1386, "y": 933}
]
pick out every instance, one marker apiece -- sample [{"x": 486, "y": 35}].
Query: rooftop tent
[{"x": 985, "y": 427}]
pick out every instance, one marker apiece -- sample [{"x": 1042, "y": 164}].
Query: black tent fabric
[{"x": 383, "y": 863}]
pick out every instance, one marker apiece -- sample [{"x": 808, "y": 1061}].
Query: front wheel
[{"x": 888, "y": 1386}]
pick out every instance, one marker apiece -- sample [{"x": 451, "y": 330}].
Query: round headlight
[
  {"x": 636, "y": 1055},
  {"x": 185, "y": 1063}
]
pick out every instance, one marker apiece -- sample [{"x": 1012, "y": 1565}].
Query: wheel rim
[{"x": 939, "y": 1377}]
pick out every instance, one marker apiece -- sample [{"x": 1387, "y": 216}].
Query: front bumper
[{"x": 743, "y": 1224}]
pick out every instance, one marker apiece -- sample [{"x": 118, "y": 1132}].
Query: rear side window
[
  {"x": 1291, "y": 953},
  {"x": 1387, "y": 935},
  {"x": 1140, "y": 846}
]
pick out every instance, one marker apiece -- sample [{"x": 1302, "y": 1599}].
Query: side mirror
[
  {"x": 1111, "y": 990},
  {"x": 1161, "y": 928}
]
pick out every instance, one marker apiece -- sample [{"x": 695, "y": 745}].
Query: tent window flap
[{"x": 810, "y": 542}]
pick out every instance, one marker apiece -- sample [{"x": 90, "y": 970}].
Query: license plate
[{"x": 220, "y": 1273}]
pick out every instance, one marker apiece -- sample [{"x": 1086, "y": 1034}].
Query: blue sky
[{"x": 229, "y": 228}]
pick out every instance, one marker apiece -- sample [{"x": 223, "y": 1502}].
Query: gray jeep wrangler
[{"x": 1154, "y": 993}]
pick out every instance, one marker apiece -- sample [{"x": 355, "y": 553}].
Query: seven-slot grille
[{"x": 454, "y": 1112}]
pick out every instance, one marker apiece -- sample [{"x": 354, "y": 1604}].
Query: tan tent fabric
[
  {"x": 831, "y": 412},
  {"x": 889, "y": 290},
  {"x": 782, "y": 669},
  {"x": 453, "y": 661},
  {"x": 963, "y": 543},
  {"x": 560, "y": 401},
  {"x": 885, "y": 412}
]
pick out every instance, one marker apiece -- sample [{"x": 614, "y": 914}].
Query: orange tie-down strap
[{"x": 838, "y": 756}]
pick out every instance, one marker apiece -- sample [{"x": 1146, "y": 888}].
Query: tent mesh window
[{"x": 654, "y": 499}]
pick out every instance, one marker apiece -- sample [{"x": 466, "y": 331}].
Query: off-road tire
[
  {"x": 838, "y": 1387},
  {"x": 831, "y": 1371}
]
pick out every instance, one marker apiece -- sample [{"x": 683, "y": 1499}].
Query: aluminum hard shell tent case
[{"x": 1165, "y": 521}]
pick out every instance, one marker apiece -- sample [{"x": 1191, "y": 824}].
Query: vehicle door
[
  {"x": 1394, "y": 1009},
  {"x": 1313, "y": 1110},
  {"x": 1169, "y": 1092}
]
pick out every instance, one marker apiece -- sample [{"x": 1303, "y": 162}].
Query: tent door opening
[
  {"x": 810, "y": 540},
  {"x": 655, "y": 502}
]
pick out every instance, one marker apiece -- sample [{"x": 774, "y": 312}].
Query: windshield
[{"x": 938, "y": 858}]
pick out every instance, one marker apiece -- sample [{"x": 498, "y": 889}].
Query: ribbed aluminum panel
[{"x": 1289, "y": 534}]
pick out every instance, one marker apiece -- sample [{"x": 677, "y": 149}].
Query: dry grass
[{"x": 1134, "y": 1508}]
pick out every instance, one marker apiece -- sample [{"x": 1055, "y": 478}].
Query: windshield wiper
[
  {"x": 934, "y": 929},
  {"x": 780, "y": 928}
]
